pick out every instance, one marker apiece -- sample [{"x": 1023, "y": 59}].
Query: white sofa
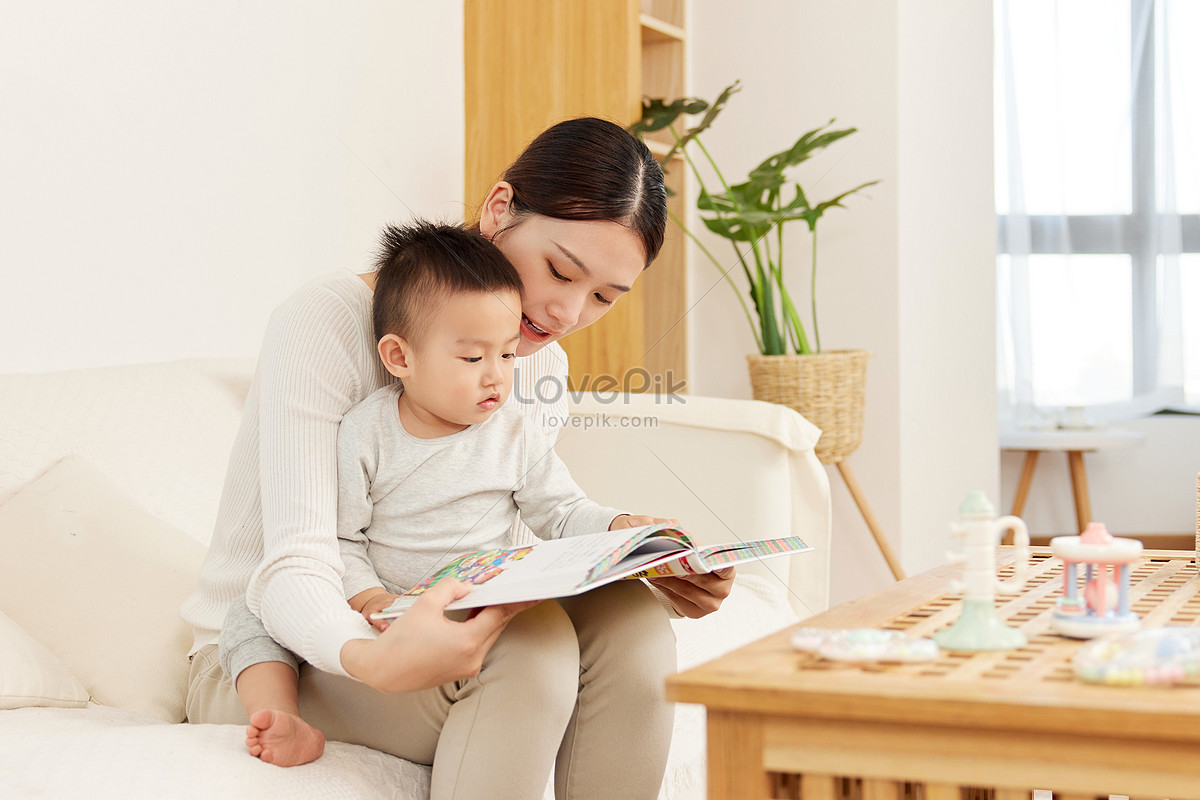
[{"x": 109, "y": 482}]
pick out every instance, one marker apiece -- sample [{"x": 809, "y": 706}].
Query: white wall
[
  {"x": 171, "y": 171},
  {"x": 947, "y": 222},
  {"x": 906, "y": 271}
]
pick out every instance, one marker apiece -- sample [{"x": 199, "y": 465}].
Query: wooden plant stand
[{"x": 864, "y": 508}]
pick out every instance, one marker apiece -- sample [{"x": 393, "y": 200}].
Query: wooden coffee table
[{"x": 785, "y": 724}]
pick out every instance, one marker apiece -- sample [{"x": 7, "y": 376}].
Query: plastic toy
[
  {"x": 978, "y": 627},
  {"x": 1104, "y": 606},
  {"x": 864, "y": 644},
  {"x": 1152, "y": 656}
]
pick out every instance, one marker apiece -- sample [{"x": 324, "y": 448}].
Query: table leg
[
  {"x": 819, "y": 787},
  {"x": 735, "y": 758},
  {"x": 1083, "y": 503},
  {"x": 879, "y": 789},
  {"x": 942, "y": 791},
  {"x": 1016, "y": 794}
]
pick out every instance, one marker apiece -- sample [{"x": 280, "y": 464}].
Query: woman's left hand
[
  {"x": 692, "y": 596},
  {"x": 638, "y": 521},
  {"x": 696, "y": 596}
]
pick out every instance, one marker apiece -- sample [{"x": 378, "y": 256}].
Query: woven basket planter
[{"x": 828, "y": 389}]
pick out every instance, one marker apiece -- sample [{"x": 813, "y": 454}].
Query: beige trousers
[{"x": 575, "y": 685}]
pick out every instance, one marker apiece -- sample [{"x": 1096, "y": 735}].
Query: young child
[{"x": 428, "y": 469}]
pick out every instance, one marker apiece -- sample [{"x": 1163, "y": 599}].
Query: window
[{"x": 1098, "y": 197}]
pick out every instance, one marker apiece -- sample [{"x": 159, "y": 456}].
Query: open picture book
[{"x": 570, "y": 566}]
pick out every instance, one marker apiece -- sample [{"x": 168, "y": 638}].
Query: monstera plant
[{"x": 751, "y": 215}]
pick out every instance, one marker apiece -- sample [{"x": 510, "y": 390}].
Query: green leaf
[
  {"x": 800, "y": 202},
  {"x": 657, "y": 114},
  {"x": 731, "y": 228},
  {"x": 713, "y": 110},
  {"x": 811, "y": 215},
  {"x": 768, "y": 176},
  {"x": 743, "y": 226},
  {"x": 706, "y": 202}
]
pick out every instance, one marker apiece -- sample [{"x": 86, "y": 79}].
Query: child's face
[{"x": 461, "y": 368}]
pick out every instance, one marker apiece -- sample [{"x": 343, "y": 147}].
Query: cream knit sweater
[{"x": 275, "y": 538}]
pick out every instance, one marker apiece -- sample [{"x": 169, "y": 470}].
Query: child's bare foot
[{"x": 283, "y": 739}]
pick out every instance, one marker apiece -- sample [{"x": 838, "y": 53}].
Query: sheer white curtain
[{"x": 1098, "y": 194}]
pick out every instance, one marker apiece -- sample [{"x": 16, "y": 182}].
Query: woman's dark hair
[
  {"x": 422, "y": 263},
  {"x": 592, "y": 169}
]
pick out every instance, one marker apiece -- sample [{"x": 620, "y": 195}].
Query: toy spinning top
[
  {"x": 1104, "y": 604},
  {"x": 978, "y": 627}
]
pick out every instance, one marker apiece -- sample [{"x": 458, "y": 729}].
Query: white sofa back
[
  {"x": 161, "y": 432},
  {"x": 727, "y": 469}
]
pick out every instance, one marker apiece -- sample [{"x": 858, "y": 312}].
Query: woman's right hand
[{"x": 422, "y": 648}]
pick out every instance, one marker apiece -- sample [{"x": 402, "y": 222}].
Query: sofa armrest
[{"x": 728, "y": 470}]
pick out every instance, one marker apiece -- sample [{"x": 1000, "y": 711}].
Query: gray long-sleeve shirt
[{"x": 407, "y": 506}]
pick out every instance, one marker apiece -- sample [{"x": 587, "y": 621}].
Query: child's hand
[
  {"x": 373, "y": 605},
  {"x": 376, "y": 604},
  {"x": 638, "y": 520}
]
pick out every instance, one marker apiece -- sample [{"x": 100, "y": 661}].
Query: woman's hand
[
  {"x": 422, "y": 648},
  {"x": 637, "y": 521},
  {"x": 696, "y": 596},
  {"x": 692, "y": 596}
]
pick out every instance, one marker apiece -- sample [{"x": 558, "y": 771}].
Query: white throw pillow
[
  {"x": 99, "y": 582},
  {"x": 30, "y": 675}
]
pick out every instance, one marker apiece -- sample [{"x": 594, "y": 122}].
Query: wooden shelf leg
[
  {"x": 860, "y": 500},
  {"x": 1083, "y": 503},
  {"x": 1031, "y": 459}
]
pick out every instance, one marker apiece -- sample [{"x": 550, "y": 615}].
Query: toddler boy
[{"x": 428, "y": 469}]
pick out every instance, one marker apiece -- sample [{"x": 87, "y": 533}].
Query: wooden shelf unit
[
  {"x": 656, "y": 30},
  {"x": 531, "y": 63}
]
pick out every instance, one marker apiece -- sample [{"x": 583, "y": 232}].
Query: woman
[{"x": 494, "y": 702}]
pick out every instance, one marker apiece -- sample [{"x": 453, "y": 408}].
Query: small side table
[{"x": 1075, "y": 443}]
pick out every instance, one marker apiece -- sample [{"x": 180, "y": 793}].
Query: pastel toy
[
  {"x": 1103, "y": 605},
  {"x": 1144, "y": 657},
  {"x": 978, "y": 627},
  {"x": 864, "y": 644}
]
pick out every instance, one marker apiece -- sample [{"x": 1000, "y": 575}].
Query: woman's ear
[
  {"x": 396, "y": 353},
  {"x": 496, "y": 209}
]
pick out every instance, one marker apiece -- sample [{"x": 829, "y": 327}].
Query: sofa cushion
[
  {"x": 30, "y": 675},
  {"x": 99, "y": 582},
  {"x": 162, "y": 432}
]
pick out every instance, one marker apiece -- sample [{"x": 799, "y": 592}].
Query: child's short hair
[{"x": 422, "y": 263}]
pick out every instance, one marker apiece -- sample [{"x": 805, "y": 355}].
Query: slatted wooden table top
[{"x": 1030, "y": 689}]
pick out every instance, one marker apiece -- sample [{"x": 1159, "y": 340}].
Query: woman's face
[{"x": 573, "y": 272}]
